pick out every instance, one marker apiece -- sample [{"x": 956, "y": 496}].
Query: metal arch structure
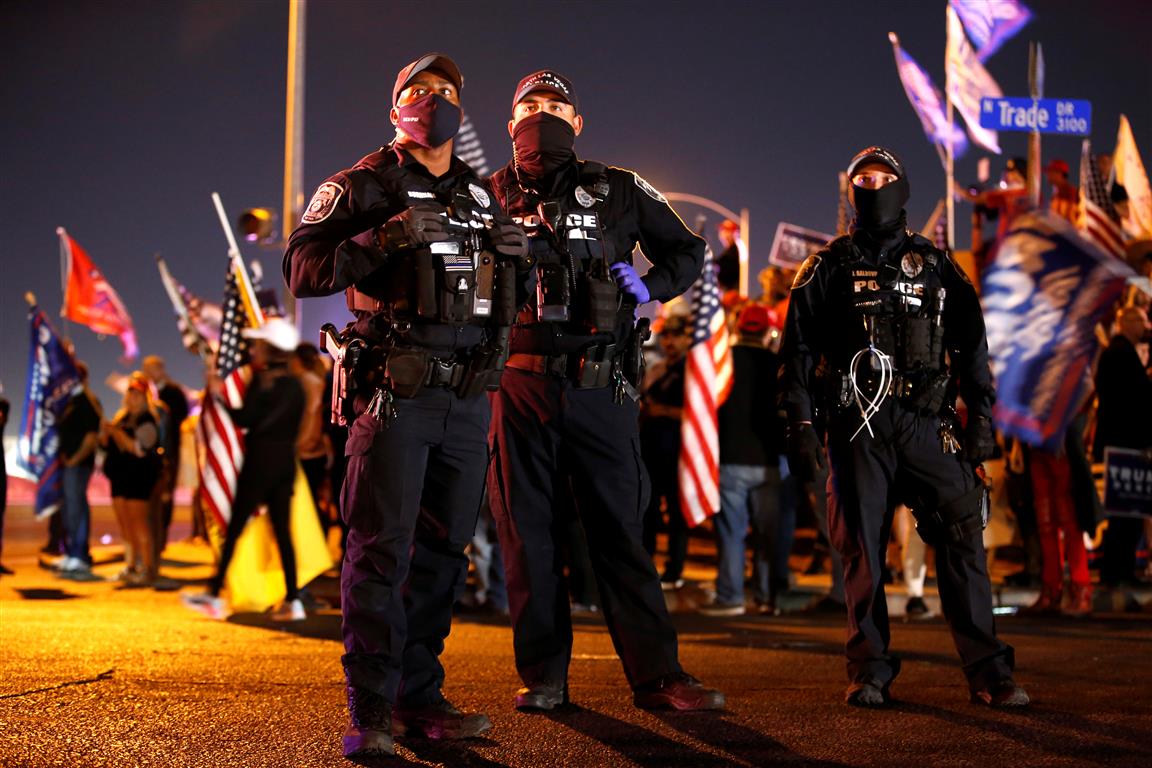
[{"x": 728, "y": 213}]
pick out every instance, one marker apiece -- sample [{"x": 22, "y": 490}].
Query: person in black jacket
[
  {"x": 271, "y": 414},
  {"x": 429, "y": 267},
  {"x": 879, "y": 325},
  {"x": 1123, "y": 420},
  {"x": 566, "y": 412},
  {"x": 751, "y": 441}
]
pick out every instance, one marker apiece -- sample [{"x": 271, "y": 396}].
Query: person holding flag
[
  {"x": 881, "y": 326},
  {"x": 272, "y": 410},
  {"x": 566, "y": 413}
]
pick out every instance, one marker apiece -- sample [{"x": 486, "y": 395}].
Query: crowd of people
[{"x": 494, "y": 406}]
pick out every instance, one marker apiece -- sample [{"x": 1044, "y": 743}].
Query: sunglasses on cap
[{"x": 873, "y": 179}]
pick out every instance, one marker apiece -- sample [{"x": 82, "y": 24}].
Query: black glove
[
  {"x": 508, "y": 239},
  {"x": 979, "y": 441},
  {"x": 805, "y": 451},
  {"x": 418, "y": 225}
]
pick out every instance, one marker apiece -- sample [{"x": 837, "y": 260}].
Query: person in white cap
[{"x": 273, "y": 407}]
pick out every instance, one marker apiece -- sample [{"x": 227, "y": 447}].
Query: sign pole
[
  {"x": 949, "y": 157},
  {"x": 1036, "y": 86}
]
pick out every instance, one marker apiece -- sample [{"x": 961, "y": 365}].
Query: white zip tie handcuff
[{"x": 870, "y": 406}]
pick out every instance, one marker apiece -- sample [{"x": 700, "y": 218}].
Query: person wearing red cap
[
  {"x": 566, "y": 412},
  {"x": 1064, "y": 200},
  {"x": 429, "y": 266}
]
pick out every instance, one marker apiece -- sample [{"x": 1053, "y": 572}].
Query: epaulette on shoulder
[
  {"x": 381, "y": 158},
  {"x": 842, "y": 250}
]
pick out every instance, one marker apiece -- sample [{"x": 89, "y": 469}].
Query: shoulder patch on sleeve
[
  {"x": 649, "y": 190},
  {"x": 956, "y": 266},
  {"x": 807, "y": 271},
  {"x": 323, "y": 203}
]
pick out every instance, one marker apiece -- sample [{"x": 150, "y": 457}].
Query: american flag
[
  {"x": 707, "y": 381},
  {"x": 223, "y": 445},
  {"x": 1099, "y": 221}
]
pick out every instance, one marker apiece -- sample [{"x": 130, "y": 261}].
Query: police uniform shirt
[
  {"x": 632, "y": 213},
  {"x": 335, "y": 246},
  {"x": 824, "y": 324}
]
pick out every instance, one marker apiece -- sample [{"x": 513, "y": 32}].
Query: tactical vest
[
  {"x": 456, "y": 281},
  {"x": 572, "y": 255},
  {"x": 896, "y": 306}
]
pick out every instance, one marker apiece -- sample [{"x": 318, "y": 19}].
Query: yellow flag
[
  {"x": 255, "y": 579},
  {"x": 1131, "y": 175}
]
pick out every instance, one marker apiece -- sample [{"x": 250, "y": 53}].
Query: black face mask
[
  {"x": 429, "y": 121},
  {"x": 542, "y": 143},
  {"x": 879, "y": 208}
]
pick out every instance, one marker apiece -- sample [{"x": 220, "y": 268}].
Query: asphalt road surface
[{"x": 95, "y": 675}]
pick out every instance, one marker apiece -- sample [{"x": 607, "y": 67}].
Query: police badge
[
  {"x": 912, "y": 264},
  {"x": 480, "y": 195},
  {"x": 323, "y": 203},
  {"x": 585, "y": 199}
]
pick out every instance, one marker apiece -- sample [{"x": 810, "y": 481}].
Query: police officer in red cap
[
  {"x": 428, "y": 265},
  {"x": 894, "y": 327},
  {"x": 565, "y": 416}
]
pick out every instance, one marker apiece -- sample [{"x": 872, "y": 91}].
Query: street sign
[{"x": 1014, "y": 113}]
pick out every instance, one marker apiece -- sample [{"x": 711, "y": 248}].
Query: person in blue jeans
[
  {"x": 79, "y": 431},
  {"x": 750, "y": 448}
]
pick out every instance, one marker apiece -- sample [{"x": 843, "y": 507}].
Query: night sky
[{"x": 120, "y": 118}]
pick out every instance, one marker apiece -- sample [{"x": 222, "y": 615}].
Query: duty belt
[{"x": 584, "y": 371}]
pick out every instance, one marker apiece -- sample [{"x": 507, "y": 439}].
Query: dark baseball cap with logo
[
  {"x": 435, "y": 61},
  {"x": 547, "y": 80}
]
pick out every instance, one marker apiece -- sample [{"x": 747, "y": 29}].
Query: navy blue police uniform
[
  {"x": 428, "y": 346},
  {"x": 883, "y": 329},
  {"x": 566, "y": 417}
]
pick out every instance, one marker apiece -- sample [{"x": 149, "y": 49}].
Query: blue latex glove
[{"x": 629, "y": 282}]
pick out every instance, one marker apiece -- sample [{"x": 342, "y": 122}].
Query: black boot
[{"x": 369, "y": 733}]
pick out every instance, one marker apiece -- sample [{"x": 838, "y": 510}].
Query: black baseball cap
[
  {"x": 876, "y": 154},
  {"x": 547, "y": 80},
  {"x": 436, "y": 61}
]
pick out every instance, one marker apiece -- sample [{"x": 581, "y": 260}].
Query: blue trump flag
[
  {"x": 52, "y": 377},
  {"x": 1042, "y": 297},
  {"x": 989, "y": 23}
]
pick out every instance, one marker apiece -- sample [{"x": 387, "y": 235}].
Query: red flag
[
  {"x": 89, "y": 299},
  {"x": 707, "y": 381}
]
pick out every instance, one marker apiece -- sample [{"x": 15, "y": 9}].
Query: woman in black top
[{"x": 132, "y": 464}]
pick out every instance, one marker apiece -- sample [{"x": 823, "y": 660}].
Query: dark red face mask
[{"x": 429, "y": 121}]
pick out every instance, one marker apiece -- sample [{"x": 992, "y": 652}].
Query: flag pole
[
  {"x": 245, "y": 282},
  {"x": 1036, "y": 86},
  {"x": 65, "y": 271},
  {"x": 949, "y": 149},
  {"x": 294, "y": 133}
]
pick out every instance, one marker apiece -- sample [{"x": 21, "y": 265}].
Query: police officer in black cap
[
  {"x": 565, "y": 416},
  {"x": 428, "y": 265},
  {"x": 882, "y": 330}
]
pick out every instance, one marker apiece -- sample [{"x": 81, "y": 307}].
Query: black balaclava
[
  {"x": 430, "y": 121},
  {"x": 542, "y": 143},
  {"x": 879, "y": 211}
]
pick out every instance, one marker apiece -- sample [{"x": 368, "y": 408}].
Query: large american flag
[
  {"x": 707, "y": 381},
  {"x": 1099, "y": 221},
  {"x": 223, "y": 445}
]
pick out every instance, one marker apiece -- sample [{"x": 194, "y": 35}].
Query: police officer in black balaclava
[
  {"x": 883, "y": 329},
  {"x": 566, "y": 415}
]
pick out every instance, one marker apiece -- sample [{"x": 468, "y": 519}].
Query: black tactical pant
[
  {"x": 862, "y": 484},
  {"x": 544, "y": 429},
  {"x": 411, "y": 498}
]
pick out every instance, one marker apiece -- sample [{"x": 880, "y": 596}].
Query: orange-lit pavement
[{"x": 93, "y": 675}]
